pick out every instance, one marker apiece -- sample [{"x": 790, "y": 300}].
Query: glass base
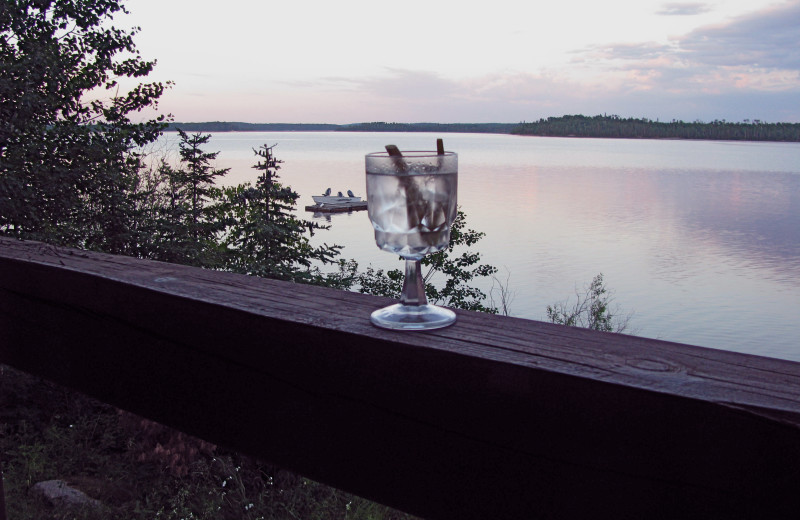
[{"x": 413, "y": 317}]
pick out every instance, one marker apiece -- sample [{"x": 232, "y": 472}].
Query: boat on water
[{"x": 328, "y": 199}]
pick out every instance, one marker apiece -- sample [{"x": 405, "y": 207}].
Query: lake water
[{"x": 699, "y": 239}]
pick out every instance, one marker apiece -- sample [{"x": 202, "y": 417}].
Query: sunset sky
[{"x": 348, "y": 61}]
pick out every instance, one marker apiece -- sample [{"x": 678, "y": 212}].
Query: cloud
[
  {"x": 767, "y": 39},
  {"x": 404, "y": 95},
  {"x": 422, "y": 88},
  {"x": 624, "y": 51},
  {"x": 759, "y": 52},
  {"x": 409, "y": 84},
  {"x": 683, "y": 9}
]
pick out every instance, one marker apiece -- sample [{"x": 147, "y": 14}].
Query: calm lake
[{"x": 700, "y": 240}]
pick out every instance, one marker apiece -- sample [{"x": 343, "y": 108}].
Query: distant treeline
[
  {"x": 615, "y": 126},
  {"x": 219, "y": 126},
  {"x": 222, "y": 126},
  {"x": 464, "y": 128},
  {"x": 564, "y": 126}
]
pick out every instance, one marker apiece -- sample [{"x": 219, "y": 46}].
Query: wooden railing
[{"x": 494, "y": 417}]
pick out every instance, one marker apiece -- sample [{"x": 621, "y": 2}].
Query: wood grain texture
[{"x": 494, "y": 417}]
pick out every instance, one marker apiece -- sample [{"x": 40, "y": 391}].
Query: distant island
[{"x": 564, "y": 126}]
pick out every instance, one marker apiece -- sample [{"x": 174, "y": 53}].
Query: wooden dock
[{"x": 337, "y": 208}]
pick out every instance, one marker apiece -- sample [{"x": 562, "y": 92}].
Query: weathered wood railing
[{"x": 494, "y": 417}]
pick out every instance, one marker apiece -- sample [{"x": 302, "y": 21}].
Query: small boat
[{"x": 328, "y": 199}]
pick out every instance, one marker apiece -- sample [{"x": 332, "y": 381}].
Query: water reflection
[
  {"x": 322, "y": 217},
  {"x": 703, "y": 257}
]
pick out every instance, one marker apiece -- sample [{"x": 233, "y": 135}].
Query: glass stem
[{"x": 413, "y": 287}]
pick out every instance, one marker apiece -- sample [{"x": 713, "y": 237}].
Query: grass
[{"x": 142, "y": 470}]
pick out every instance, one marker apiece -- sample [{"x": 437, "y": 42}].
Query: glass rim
[{"x": 412, "y": 154}]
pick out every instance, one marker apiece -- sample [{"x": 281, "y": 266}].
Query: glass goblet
[{"x": 411, "y": 201}]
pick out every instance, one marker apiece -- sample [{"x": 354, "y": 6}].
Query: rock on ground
[{"x": 59, "y": 494}]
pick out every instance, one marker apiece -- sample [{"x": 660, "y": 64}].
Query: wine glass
[{"x": 411, "y": 201}]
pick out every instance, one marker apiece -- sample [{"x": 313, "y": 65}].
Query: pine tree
[{"x": 263, "y": 237}]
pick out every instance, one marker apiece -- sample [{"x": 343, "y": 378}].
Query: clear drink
[
  {"x": 411, "y": 197},
  {"x": 412, "y": 212}
]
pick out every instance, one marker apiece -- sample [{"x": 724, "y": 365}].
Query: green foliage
[
  {"x": 262, "y": 236},
  {"x": 592, "y": 310},
  {"x": 249, "y": 228},
  {"x": 68, "y": 169},
  {"x": 195, "y": 182},
  {"x": 458, "y": 266},
  {"x": 167, "y": 217},
  {"x": 186, "y": 228},
  {"x": 372, "y": 281}
]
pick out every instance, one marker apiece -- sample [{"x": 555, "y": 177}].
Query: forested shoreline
[
  {"x": 222, "y": 126},
  {"x": 603, "y": 126},
  {"x": 633, "y": 128}
]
